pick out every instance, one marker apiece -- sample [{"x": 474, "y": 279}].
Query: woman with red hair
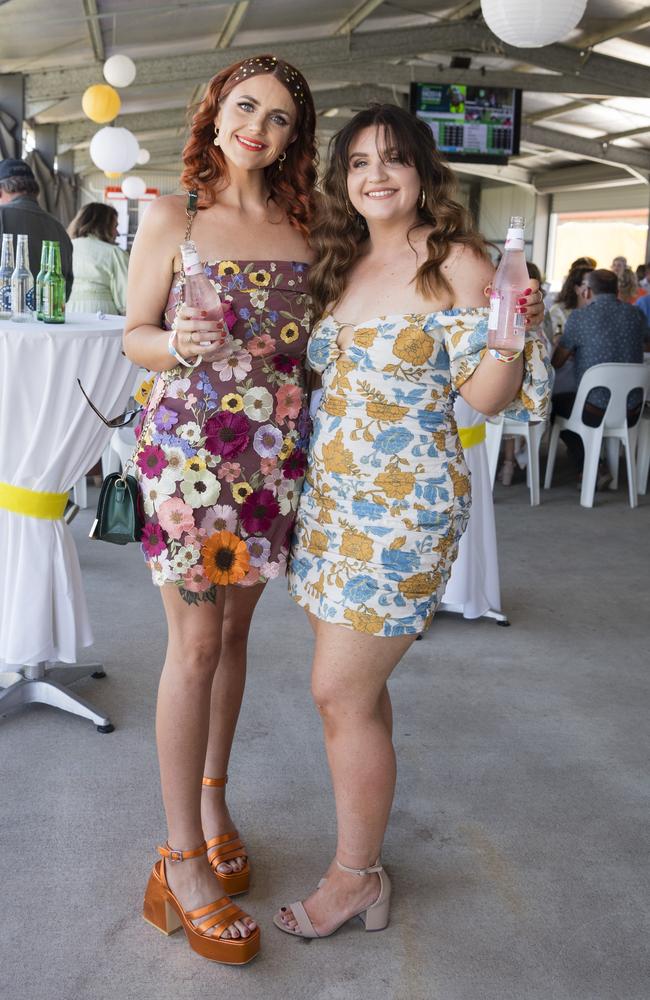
[{"x": 221, "y": 457}]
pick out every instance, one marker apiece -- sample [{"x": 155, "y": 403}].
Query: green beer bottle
[
  {"x": 45, "y": 250},
  {"x": 54, "y": 287}
]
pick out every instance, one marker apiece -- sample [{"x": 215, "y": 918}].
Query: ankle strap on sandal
[
  {"x": 216, "y": 782},
  {"x": 170, "y": 854},
  {"x": 378, "y": 867}
]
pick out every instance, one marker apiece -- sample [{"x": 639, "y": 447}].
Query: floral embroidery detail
[{"x": 223, "y": 432}]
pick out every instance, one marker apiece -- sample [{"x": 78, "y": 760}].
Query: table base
[
  {"x": 47, "y": 685},
  {"x": 457, "y": 609}
]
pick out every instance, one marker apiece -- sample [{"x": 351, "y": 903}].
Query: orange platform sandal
[
  {"x": 164, "y": 911},
  {"x": 225, "y": 848}
]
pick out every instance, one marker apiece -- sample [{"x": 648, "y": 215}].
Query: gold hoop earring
[
  {"x": 216, "y": 136},
  {"x": 422, "y": 200},
  {"x": 281, "y": 158}
]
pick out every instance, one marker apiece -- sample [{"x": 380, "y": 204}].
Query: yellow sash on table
[
  {"x": 470, "y": 436},
  {"x": 32, "y": 503}
]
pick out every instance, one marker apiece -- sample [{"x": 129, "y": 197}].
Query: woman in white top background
[{"x": 99, "y": 266}]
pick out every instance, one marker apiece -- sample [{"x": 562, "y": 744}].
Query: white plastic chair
[
  {"x": 620, "y": 379},
  {"x": 533, "y": 432},
  {"x": 643, "y": 454}
]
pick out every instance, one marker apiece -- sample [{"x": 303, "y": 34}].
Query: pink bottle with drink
[
  {"x": 199, "y": 291},
  {"x": 507, "y": 327}
]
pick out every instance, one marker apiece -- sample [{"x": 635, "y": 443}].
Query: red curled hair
[{"x": 291, "y": 188}]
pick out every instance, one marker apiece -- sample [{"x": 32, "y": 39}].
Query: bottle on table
[
  {"x": 6, "y": 270},
  {"x": 199, "y": 291},
  {"x": 54, "y": 287},
  {"x": 40, "y": 277},
  {"x": 22, "y": 284},
  {"x": 507, "y": 327}
]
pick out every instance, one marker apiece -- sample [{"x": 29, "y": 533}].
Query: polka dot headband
[{"x": 290, "y": 77}]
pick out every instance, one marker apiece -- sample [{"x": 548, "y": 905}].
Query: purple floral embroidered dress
[{"x": 222, "y": 461}]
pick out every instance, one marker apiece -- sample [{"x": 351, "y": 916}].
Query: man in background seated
[
  {"x": 606, "y": 331},
  {"x": 21, "y": 213}
]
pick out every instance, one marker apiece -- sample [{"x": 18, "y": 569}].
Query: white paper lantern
[
  {"x": 114, "y": 149},
  {"x": 134, "y": 187},
  {"x": 119, "y": 71},
  {"x": 143, "y": 157},
  {"x": 533, "y": 24}
]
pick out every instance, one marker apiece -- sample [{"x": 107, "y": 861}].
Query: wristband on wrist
[
  {"x": 176, "y": 354},
  {"x": 505, "y": 359}
]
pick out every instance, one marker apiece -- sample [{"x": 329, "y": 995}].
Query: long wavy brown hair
[
  {"x": 568, "y": 294},
  {"x": 94, "y": 219},
  {"x": 292, "y": 187},
  {"x": 339, "y": 233}
]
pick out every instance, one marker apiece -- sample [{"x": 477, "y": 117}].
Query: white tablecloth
[
  {"x": 49, "y": 437},
  {"x": 474, "y": 580}
]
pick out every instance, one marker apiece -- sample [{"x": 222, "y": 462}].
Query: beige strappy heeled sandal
[
  {"x": 375, "y": 917},
  {"x": 226, "y": 847}
]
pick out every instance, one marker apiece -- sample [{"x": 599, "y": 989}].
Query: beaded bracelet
[
  {"x": 505, "y": 359},
  {"x": 179, "y": 357}
]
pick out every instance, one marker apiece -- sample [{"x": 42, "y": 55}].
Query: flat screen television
[{"x": 470, "y": 124}]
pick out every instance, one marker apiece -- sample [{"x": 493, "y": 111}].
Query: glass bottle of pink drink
[
  {"x": 199, "y": 292},
  {"x": 507, "y": 327}
]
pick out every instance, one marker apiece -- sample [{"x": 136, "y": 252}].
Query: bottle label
[
  {"x": 5, "y": 297},
  {"x": 493, "y": 318},
  {"x": 29, "y": 298},
  {"x": 515, "y": 239},
  {"x": 45, "y": 309}
]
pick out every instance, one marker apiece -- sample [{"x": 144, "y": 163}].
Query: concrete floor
[{"x": 518, "y": 842}]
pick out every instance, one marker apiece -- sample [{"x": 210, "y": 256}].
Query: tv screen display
[{"x": 474, "y": 124}]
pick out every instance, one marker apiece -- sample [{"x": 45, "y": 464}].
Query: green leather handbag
[{"x": 120, "y": 517}]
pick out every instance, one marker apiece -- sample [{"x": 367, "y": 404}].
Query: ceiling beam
[
  {"x": 627, "y": 134},
  {"x": 465, "y": 10},
  {"x": 590, "y": 149},
  {"x": 94, "y": 29},
  {"x": 80, "y": 131},
  {"x": 337, "y": 53},
  {"x": 538, "y": 116},
  {"x": 355, "y": 17},
  {"x": 621, "y": 26},
  {"x": 581, "y": 177},
  {"x": 230, "y": 27}
]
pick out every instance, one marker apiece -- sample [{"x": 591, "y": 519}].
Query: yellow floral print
[
  {"x": 240, "y": 491},
  {"x": 260, "y": 278},
  {"x": 233, "y": 402},
  {"x": 386, "y": 495},
  {"x": 227, "y": 267}
]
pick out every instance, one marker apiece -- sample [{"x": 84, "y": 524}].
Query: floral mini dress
[
  {"x": 386, "y": 497},
  {"x": 223, "y": 451}
]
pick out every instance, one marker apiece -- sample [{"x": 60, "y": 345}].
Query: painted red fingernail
[
  {"x": 528, "y": 291},
  {"x": 521, "y": 302}
]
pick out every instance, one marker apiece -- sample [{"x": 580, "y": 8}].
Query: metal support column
[{"x": 12, "y": 114}]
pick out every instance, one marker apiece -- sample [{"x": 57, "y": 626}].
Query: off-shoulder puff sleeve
[{"x": 466, "y": 342}]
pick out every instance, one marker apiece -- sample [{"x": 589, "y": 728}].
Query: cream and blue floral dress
[{"x": 386, "y": 497}]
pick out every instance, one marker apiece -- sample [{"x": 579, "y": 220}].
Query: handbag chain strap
[{"x": 158, "y": 390}]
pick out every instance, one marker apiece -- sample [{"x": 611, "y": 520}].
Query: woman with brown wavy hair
[
  {"x": 221, "y": 457},
  {"x": 400, "y": 290}
]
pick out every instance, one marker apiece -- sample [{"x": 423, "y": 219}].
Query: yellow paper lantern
[
  {"x": 112, "y": 174},
  {"x": 101, "y": 103}
]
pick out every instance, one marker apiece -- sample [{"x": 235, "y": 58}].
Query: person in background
[
  {"x": 589, "y": 263},
  {"x": 628, "y": 287},
  {"x": 606, "y": 331},
  {"x": 643, "y": 275},
  {"x": 618, "y": 265},
  {"x": 21, "y": 213},
  {"x": 99, "y": 265}
]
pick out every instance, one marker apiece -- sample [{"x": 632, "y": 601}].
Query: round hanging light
[
  {"x": 134, "y": 187},
  {"x": 119, "y": 71},
  {"x": 112, "y": 174},
  {"x": 114, "y": 149},
  {"x": 101, "y": 103},
  {"x": 532, "y": 25},
  {"x": 143, "y": 156}
]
